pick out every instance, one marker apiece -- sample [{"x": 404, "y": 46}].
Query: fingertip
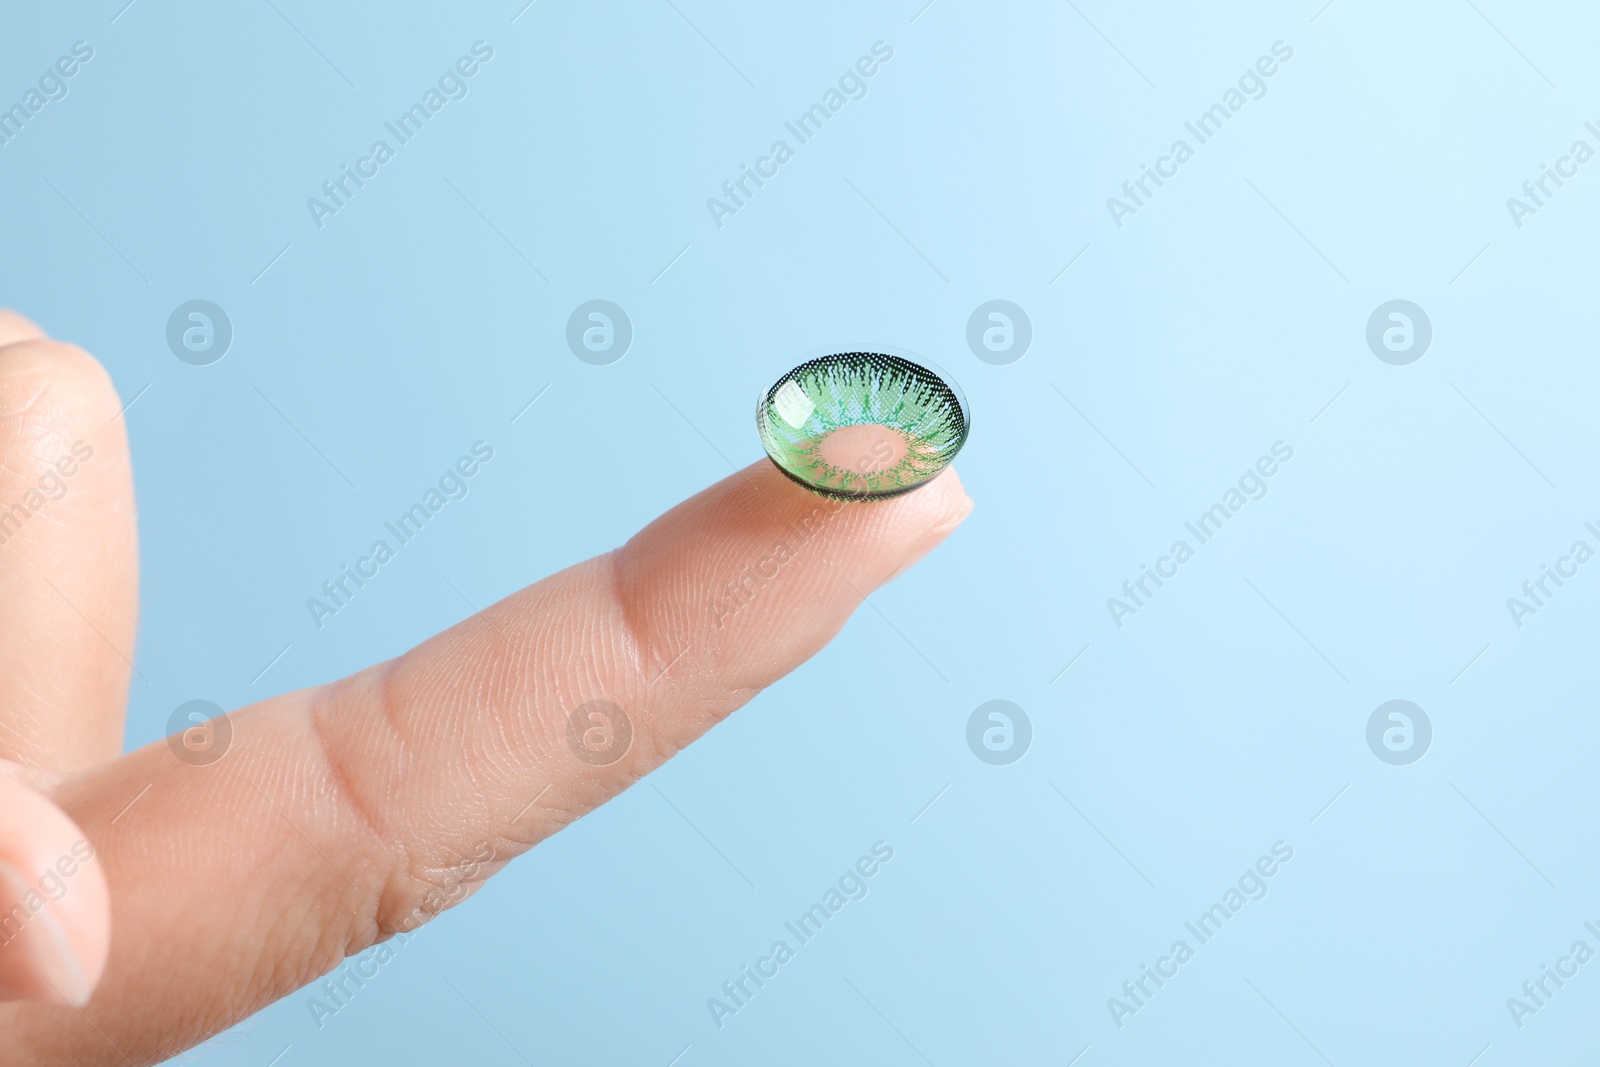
[
  {"x": 68, "y": 558},
  {"x": 954, "y": 500},
  {"x": 15, "y": 327},
  {"x": 54, "y": 905},
  {"x": 55, "y": 378},
  {"x": 757, "y": 572}
]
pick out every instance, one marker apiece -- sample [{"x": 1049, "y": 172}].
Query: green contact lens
[{"x": 860, "y": 425}]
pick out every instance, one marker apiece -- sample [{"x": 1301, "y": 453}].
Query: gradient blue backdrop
[{"x": 1229, "y": 313}]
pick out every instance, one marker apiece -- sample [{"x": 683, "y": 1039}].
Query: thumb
[{"x": 55, "y": 916}]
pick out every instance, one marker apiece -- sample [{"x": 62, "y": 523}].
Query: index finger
[{"x": 343, "y": 815}]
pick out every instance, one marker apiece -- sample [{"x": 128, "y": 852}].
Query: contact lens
[{"x": 862, "y": 425}]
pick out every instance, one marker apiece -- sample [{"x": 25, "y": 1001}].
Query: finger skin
[
  {"x": 343, "y": 815},
  {"x": 68, "y": 555},
  {"x": 14, "y": 327}
]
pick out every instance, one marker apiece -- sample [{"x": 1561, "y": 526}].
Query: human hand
[{"x": 343, "y": 814}]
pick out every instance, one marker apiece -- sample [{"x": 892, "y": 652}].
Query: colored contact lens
[{"x": 861, "y": 425}]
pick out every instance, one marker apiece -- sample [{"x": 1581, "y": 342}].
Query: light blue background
[{"x": 1221, "y": 318}]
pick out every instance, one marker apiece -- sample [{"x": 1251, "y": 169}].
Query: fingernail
[{"x": 36, "y": 959}]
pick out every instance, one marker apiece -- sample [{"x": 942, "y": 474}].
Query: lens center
[{"x": 866, "y": 448}]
